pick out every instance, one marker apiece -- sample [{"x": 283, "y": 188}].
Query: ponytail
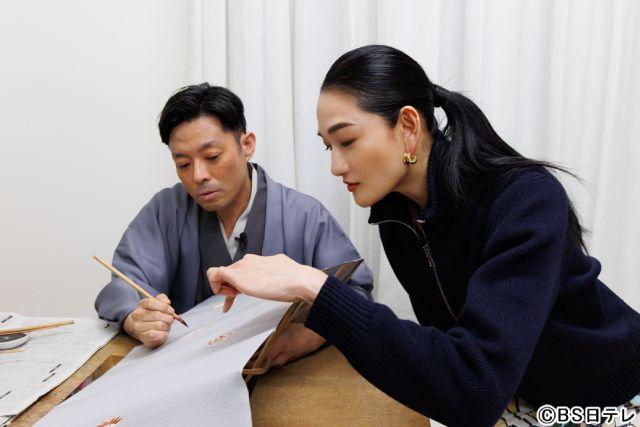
[
  {"x": 384, "y": 79},
  {"x": 475, "y": 153}
]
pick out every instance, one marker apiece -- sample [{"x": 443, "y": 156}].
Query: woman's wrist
[{"x": 312, "y": 284}]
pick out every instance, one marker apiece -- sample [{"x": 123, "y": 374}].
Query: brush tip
[{"x": 181, "y": 320}]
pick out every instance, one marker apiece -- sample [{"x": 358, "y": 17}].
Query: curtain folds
[{"x": 557, "y": 79}]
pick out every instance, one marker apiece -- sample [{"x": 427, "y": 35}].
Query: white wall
[{"x": 81, "y": 86}]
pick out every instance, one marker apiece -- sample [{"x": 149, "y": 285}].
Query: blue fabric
[
  {"x": 159, "y": 250},
  {"x": 532, "y": 319}
]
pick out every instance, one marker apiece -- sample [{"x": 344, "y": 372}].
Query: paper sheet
[
  {"x": 194, "y": 379},
  {"x": 47, "y": 359}
]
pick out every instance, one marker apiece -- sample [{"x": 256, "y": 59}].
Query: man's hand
[
  {"x": 151, "y": 321},
  {"x": 294, "y": 342}
]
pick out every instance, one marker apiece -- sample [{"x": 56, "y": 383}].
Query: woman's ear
[{"x": 410, "y": 128}]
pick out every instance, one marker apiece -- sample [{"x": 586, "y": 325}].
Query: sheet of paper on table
[
  {"x": 195, "y": 378},
  {"x": 46, "y": 360}
]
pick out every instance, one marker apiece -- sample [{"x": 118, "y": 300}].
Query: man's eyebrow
[
  {"x": 203, "y": 147},
  {"x": 208, "y": 145},
  {"x": 336, "y": 127}
]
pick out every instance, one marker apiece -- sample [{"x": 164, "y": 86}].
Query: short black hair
[{"x": 191, "y": 102}]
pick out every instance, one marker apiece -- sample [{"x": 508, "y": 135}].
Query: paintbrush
[
  {"x": 33, "y": 328},
  {"x": 134, "y": 286}
]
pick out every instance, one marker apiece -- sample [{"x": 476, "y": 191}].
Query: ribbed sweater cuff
[{"x": 341, "y": 315}]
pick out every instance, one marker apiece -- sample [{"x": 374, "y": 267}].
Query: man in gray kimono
[{"x": 224, "y": 208}]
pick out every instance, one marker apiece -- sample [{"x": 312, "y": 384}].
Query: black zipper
[{"x": 427, "y": 250}]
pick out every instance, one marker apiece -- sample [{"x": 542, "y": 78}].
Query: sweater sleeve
[{"x": 466, "y": 375}]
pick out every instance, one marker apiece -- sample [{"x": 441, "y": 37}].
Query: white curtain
[
  {"x": 558, "y": 80},
  {"x": 81, "y": 85}
]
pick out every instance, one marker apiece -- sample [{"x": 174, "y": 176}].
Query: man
[{"x": 224, "y": 208}]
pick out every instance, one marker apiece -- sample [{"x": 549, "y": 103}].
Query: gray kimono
[{"x": 160, "y": 248}]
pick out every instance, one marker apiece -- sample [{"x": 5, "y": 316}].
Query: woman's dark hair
[
  {"x": 384, "y": 79},
  {"x": 194, "y": 101}
]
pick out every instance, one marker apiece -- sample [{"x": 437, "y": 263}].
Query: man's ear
[
  {"x": 248, "y": 144},
  {"x": 410, "y": 128}
]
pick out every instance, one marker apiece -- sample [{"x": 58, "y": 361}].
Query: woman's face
[{"x": 365, "y": 152}]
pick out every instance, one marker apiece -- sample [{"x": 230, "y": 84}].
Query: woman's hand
[{"x": 276, "y": 278}]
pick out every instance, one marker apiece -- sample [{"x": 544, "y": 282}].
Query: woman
[{"x": 485, "y": 242}]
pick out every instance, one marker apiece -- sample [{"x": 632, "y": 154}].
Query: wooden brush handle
[
  {"x": 23, "y": 329},
  {"x": 132, "y": 284},
  {"x": 123, "y": 277}
]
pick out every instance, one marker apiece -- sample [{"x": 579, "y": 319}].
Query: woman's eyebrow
[{"x": 336, "y": 127}]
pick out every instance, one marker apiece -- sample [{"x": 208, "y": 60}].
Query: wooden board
[{"x": 323, "y": 389}]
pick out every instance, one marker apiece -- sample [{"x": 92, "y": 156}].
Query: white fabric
[
  {"x": 241, "y": 223},
  {"x": 558, "y": 80},
  {"x": 158, "y": 388},
  {"x": 47, "y": 359}
]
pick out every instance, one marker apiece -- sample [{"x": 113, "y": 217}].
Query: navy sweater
[{"x": 521, "y": 312}]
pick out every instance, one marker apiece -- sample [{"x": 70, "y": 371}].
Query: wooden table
[{"x": 318, "y": 390}]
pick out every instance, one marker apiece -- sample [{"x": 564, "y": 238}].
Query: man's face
[{"x": 210, "y": 162}]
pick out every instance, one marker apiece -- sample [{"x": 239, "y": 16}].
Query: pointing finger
[{"x": 228, "y": 302}]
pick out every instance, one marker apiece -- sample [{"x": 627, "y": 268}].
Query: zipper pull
[{"x": 427, "y": 251}]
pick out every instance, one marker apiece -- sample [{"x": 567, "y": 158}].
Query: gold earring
[{"x": 409, "y": 158}]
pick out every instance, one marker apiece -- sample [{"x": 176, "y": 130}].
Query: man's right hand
[{"x": 150, "y": 322}]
